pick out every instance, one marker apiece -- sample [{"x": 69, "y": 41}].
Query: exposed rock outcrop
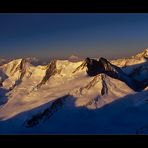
[
  {"x": 81, "y": 67},
  {"x": 95, "y": 67},
  {"x": 104, "y": 86},
  {"x": 51, "y": 71},
  {"x": 47, "y": 113},
  {"x": 93, "y": 82},
  {"x": 23, "y": 69}
]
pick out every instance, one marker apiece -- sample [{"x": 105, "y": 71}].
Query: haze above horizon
[{"x": 61, "y": 35}]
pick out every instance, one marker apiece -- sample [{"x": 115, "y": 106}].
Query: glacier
[{"x": 90, "y": 96}]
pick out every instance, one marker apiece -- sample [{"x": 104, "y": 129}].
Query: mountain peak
[
  {"x": 73, "y": 58},
  {"x": 143, "y": 54},
  {"x": 146, "y": 52}
]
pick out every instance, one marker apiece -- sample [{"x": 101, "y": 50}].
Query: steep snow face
[
  {"x": 37, "y": 72},
  {"x": 12, "y": 69},
  {"x": 16, "y": 71},
  {"x": 136, "y": 60},
  {"x": 50, "y": 71},
  {"x": 128, "y": 62},
  {"x": 99, "y": 91},
  {"x": 141, "y": 55},
  {"x": 67, "y": 68}
]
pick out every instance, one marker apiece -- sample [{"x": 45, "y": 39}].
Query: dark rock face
[
  {"x": 81, "y": 67},
  {"x": 94, "y": 67},
  {"x": 92, "y": 83},
  {"x": 51, "y": 70},
  {"x": 104, "y": 86},
  {"x": 3, "y": 77},
  {"x": 103, "y": 66},
  {"x": 22, "y": 68},
  {"x": 47, "y": 113}
]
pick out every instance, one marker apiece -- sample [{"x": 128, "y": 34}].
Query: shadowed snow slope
[{"x": 63, "y": 97}]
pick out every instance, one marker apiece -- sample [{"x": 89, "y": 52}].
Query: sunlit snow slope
[{"x": 65, "y": 97}]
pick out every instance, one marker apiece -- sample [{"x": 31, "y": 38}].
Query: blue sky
[{"x": 50, "y": 35}]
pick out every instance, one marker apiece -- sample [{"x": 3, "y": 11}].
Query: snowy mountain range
[
  {"x": 75, "y": 97},
  {"x": 74, "y": 58}
]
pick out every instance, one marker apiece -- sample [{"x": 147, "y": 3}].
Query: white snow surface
[{"x": 85, "y": 111}]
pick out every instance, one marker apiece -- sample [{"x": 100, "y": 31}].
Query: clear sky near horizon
[{"x": 50, "y": 35}]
